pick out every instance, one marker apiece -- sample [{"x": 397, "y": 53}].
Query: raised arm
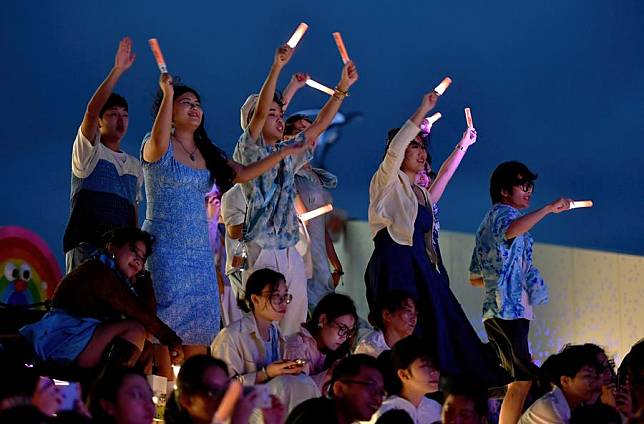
[
  {"x": 244, "y": 173},
  {"x": 323, "y": 120},
  {"x": 122, "y": 62},
  {"x": 451, "y": 164},
  {"x": 159, "y": 140},
  {"x": 266, "y": 94},
  {"x": 297, "y": 81},
  {"x": 525, "y": 223}
]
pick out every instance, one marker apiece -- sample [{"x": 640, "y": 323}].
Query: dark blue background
[{"x": 558, "y": 85}]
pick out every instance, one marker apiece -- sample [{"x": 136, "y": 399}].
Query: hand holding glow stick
[
  {"x": 297, "y": 35},
  {"x": 575, "y": 204},
  {"x": 432, "y": 119},
  {"x": 314, "y": 84},
  {"x": 158, "y": 56},
  {"x": 468, "y": 118},
  {"x": 343, "y": 50},
  {"x": 227, "y": 405},
  {"x": 316, "y": 212},
  {"x": 440, "y": 88}
]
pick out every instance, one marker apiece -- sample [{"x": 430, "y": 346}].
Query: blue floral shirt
[
  {"x": 271, "y": 220},
  {"x": 512, "y": 283}
]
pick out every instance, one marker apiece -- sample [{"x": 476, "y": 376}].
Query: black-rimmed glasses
[{"x": 372, "y": 387}]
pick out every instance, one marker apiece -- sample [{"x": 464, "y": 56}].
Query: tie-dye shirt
[
  {"x": 271, "y": 220},
  {"x": 512, "y": 283}
]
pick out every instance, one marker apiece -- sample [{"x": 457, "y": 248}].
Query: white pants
[{"x": 289, "y": 262}]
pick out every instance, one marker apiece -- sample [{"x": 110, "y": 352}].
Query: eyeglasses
[
  {"x": 526, "y": 186},
  {"x": 138, "y": 255},
  {"x": 343, "y": 330},
  {"x": 373, "y": 388},
  {"x": 278, "y": 299}
]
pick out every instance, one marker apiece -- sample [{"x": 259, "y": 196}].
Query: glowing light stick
[
  {"x": 297, "y": 35},
  {"x": 314, "y": 84},
  {"x": 343, "y": 50},
  {"x": 227, "y": 405},
  {"x": 575, "y": 204},
  {"x": 158, "y": 56},
  {"x": 430, "y": 120},
  {"x": 316, "y": 212},
  {"x": 440, "y": 88},
  {"x": 468, "y": 118}
]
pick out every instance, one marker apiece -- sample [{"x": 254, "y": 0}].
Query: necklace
[{"x": 190, "y": 154}]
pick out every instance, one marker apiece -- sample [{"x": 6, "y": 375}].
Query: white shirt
[
  {"x": 233, "y": 212},
  {"x": 372, "y": 344},
  {"x": 551, "y": 408},
  {"x": 427, "y": 412},
  {"x": 392, "y": 202}
]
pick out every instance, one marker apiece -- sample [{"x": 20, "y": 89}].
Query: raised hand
[
  {"x": 349, "y": 76},
  {"x": 299, "y": 79},
  {"x": 469, "y": 137},
  {"x": 282, "y": 55},
  {"x": 166, "y": 83},
  {"x": 559, "y": 205},
  {"x": 124, "y": 56},
  {"x": 429, "y": 101}
]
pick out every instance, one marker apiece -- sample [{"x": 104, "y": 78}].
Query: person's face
[
  {"x": 130, "y": 258},
  {"x": 301, "y": 125},
  {"x": 423, "y": 179},
  {"x": 273, "y": 130},
  {"x": 415, "y": 156},
  {"x": 360, "y": 396},
  {"x": 606, "y": 375},
  {"x": 421, "y": 376},
  {"x": 186, "y": 111},
  {"x": 583, "y": 386},
  {"x": 520, "y": 196},
  {"x": 403, "y": 320},
  {"x": 272, "y": 305},
  {"x": 114, "y": 122},
  {"x": 334, "y": 333},
  {"x": 459, "y": 410},
  {"x": 203, "y": 405},
  {"x": 133, "y": 403}
]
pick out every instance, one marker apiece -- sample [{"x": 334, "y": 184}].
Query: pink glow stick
[
  {"x": 156, "y": 51},
  {"x": 468, "y": 118},
  {"x": 343, "y": 50}
]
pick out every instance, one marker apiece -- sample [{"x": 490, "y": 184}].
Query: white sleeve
[{"x": 84, "y": 154}]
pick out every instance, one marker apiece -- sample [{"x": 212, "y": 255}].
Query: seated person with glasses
[
  {"x": 355, "y": 393},
  {"x": 103, "y": 311},
  {"x": 325, "y": 338},
  {"x": 201, "y": 385},
  {"x": 502, "y": 265},
  {"x": 253, "y": 346}
]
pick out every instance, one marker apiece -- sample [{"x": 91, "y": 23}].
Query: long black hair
[
  {"x": 216, "y": 159},
  {"x": 256, "y": 283}
]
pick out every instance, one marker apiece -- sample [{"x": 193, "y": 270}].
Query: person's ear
[
  {"x": 184, "y": 401},
  {"x": 403, "y": 374},
  {"x": 254, "y": 299},
  {"x": 505, "y": 193},
  {"x": 322, "y": 321},
  {"x": 565, "y": 381},
  {"x": 107, "y": 406},
  {"x": 386, "y": 316}
]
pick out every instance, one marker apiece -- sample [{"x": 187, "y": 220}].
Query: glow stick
[
  {"x": 156, "y": 51},
  {"x": 581, "y": 204},
  {"x": 468, "y": 118},
  {"x": 227, "y": 405},
  {"x": 432, "y": 119},
  {"x": 316, "y": 212},
  {"x": 440, "y": 88},
  {"x": 343, "y": 50},
  {"x": 297, "y": 35},
  {"x": 314, "y": 84},
  {"x": 175, "y": 370}
]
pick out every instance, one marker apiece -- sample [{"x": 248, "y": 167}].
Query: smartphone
[
  {"x": 301, "y": 362},
  {"x": 70, "y": 392}
]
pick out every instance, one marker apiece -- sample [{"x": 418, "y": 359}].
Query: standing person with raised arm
[
  {"x": 180, "y": 165},
  {"x": 106, "y": 182},
  {"x": 401, "y": 222},
  {"x": 502, "y": 264},
  {"x": 271, "y": 229}
]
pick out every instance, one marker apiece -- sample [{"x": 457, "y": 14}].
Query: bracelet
[
  {"x": 339, "y": 94},
  {"x": 265, "y": 371},
  {"x": 461, "y": 148}
]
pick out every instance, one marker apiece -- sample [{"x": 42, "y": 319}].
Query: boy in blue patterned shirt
[{"x": 502, "y": 265}]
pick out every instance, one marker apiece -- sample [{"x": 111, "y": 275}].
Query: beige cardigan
[{"x": 392, "y": 202}]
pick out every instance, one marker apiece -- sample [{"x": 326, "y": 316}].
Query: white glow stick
[
  {"x": 297, "y": 35},
  {"x": 581, "y": 204},
  {"x": 343, "y": 50},
  {"x": 468, "y": 118},
  {"x": 432, "y": 119},
  {"x": 228, "y": 402},
  {"x": 314, "y": 84},
  {"x": 440, "y": 88},
  {"x": 316, "y": 212},
  {"x": 175, "y": 371},
  {"x": 156, "y": 51}
]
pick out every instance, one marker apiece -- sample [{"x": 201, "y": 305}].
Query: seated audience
[
  {"x": 465, "y": 403},
  {"x": 122, "y": 396}
]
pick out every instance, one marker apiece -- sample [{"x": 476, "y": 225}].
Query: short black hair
[
  {"x": 395, "y": 416},
  {"x": 504, "y": 177},
  {"x": 394, "y": 131},
  {"x": 403, "y": 354},
  {"x": 391, "y": 301},
  {"x": 120, "y": 236},
  {"x": 470, "y": 389},
  {"x": 258, "y": 280},
  {"x": 106, "y": 388},
  {"x": 350, "y": 367},
  {"x": 571, "y": 360},
  {"x": 289, "y": 124},
  {"x": 115, "y": 100}
]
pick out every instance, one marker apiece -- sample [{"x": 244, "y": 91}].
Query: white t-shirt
[{"x": 427, "y": 412}]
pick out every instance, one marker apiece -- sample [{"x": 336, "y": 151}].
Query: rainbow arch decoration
[{"x": 29, "y": 271}]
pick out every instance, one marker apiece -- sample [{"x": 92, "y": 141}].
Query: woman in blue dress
[
  {"x": 401, "y": 222},
  {"x": 180, "y": 165}
]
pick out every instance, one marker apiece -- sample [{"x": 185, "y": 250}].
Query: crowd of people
[{"x": 229, "y": 296}]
